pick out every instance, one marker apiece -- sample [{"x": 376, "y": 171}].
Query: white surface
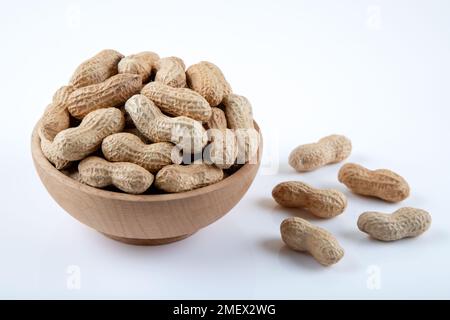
[{"x": 376, "y": 71}]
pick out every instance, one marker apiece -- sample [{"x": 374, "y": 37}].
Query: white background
[{"x": 376, "y": 71}]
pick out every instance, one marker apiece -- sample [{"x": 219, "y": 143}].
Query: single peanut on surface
[
  {"x": 178, "y": 101},
  {"x": 323, "y": 203},
  {"x": 330, "y": 149},
  {"x": 126, "y": 176},
  {"x": 96, "y": 69},
  {"x": 76, "y": 143},
  {"x": 238, "y": 112},
  {"x": 202, "y": 79},
  {"x": 381, "y": 183},
  {"x": 141, "y": 63},
  {"x": 300, "y": 235},
  {"x": 217, "y": 120},
  {"x": 178, "y": 178},
  {"x": 112, "y": 92},
  {"x": 56, "y": 117},
  {"x": 184, "y": 132},
  {"x": 171, "y": 72},
  {"x": 126, "y": 147},
  {"x": 403, "y": 223}
]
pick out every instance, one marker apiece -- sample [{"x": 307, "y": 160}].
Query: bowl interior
[
  {"x": 39, "y": 157},
  {"x": 148, "y": 218}
]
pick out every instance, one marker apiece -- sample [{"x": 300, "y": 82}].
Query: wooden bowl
[{"x": 143, "y": 219}]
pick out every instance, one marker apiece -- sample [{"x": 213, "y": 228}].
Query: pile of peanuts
[
  {"x": 130, "y": 122},
  {"x": 301, "y": 235}
]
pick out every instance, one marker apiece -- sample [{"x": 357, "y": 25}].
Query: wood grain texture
[{"x": 143, "y": 219}]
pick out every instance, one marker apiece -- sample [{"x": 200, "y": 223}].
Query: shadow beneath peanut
[
  {"x": 366, "y": 199},
  {"x": 296, "y": 212},
  {"x": 266, "y": 203},
  {"x": 290, "y": 258},
  {"x": 269, "y": 203},
  {"x": 285, "y": 168},
  {"x": 356, "y": 236}
]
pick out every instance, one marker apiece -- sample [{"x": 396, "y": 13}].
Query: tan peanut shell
[
  {"x": 126, "y": 147},
  {"x": 381, "y": 183},
  {"x": 72, "y": 173},
  {"x": 56, "y": 117},
  {"x": 141, "y": 63},
  {"x": 403, "y": 223},
  {"x": 96, "y": 69},
  {"x": 126, "y": 176},
  {"x": 222, "y": 151},
  {"x": 184, "y": 132},
  {"x": 300, "y": 235},
  {"x": 52, "y": 155},
  {"x": 178, "y": 101},
  {"x": 202, "y": 79},
  {"x": 110, "y": 93},
  {"x": 217, "y": 120},
  {"x": 330, "y": 149},
  {"x": 171, "y": 72},
  {"x": 323, "y": 203},
  {"x": 238, "y": 112},
  {"x": 135, "y": 131},
  {"x": 76, "y": 143},
  {"x": 178, "y": 178},
  {"x": 226, "y": 88}
]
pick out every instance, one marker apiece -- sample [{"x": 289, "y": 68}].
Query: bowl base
[{"x": 147, "y": 242}]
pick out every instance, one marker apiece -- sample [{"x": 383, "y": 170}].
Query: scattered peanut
[
  {"x": 76, "y": 143},
  {"x": 381, "y": 183},
  {"x": 185, "y": 132},
  {"x": 96, "y": 69},
  {"x": 403, "y": 223},
  {"x": 330, "y": 149},
  {"x": 178, "y": 178},
  {"x": 112, "y": 92},
  {"x": 142, "y": 64},
  {"x": 171, "y": 72},
  {"x": 126, "y": 147},
  {"x": 126, "y": 176},
  {"x": 178, "y": 101},
  {"x": 300, "y": 235},
  {"x": 202, "y": 79},
  {"x": 323, "y": 203}
]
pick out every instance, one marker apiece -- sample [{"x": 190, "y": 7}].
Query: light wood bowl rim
[{"x": 42, "y": 161}]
